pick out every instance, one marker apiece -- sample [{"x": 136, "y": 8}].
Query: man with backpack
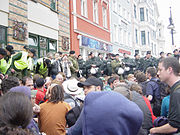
[
  {"x": 153, "y": 90},
  {"x": 168, "y": 71}
]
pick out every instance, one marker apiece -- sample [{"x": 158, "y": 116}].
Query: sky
[{"x": 164, "y": 11}]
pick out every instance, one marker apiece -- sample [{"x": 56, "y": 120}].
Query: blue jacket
[{"x": 110, "y": 113}]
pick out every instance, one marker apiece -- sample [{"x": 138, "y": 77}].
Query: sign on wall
[{"x": 19, "y": 30}]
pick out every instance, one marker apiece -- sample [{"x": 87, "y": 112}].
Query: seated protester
[
  {"x": 141, "y": 79},
  {"x": 105, "y": 113},
  {"x": 15, "y": 110},
  {"x": 28, "y": 82},
  {"x": 32, "y": 126},
  {"x": 165, "y": 104},
  {"x": 72, "y": 91},
  {"x": 9, "y": 83},
  {"x": 52, "y": 115},
  {"x": 130, "y": 80},
  {"x": 91, "y": 84},
  {"x": 134, "y": 96},
  {"x": 60, "y": 78},
  {"x": 111, "y": 84},
  {"x": 41, "y": 91}
]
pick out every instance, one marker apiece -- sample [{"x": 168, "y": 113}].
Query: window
[
  {"x": 120, "y": 35},
  {"x": 136, "y": 35},
  {"x": 147, "y": 15},
  {"x": 141, "y": 14},
  {"x": 43, "y": 45},
  {"x": 84, "y": 8},
  {"x": 53, "y": 4},
  {"x": 135, "y": 11},
  {"x": 3, "y": 36},
  {"x": 159, "y": 32},
  {"x": 104, "y": 10},
  {"x": 115, "y": 33},
  {"x": 120, "y": 10},
  {"x": 148, "y": 39},
  {"x": 124, "y": 37},
  {"x": 128, "y": 16},
  {"x": 115, "y": 5},
  {"x": 95, "y": 11},
  {"x": 143, "y": 38}
]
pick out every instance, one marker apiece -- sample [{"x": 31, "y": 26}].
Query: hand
[
  {"x": 77, "y": 70},
  {"x": 12, "y": 70},
  {"x": 152, "y": 130},
  {"x": 36, "y": 108}
]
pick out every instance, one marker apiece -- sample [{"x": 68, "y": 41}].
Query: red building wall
[{"x": 88, "y": 27}]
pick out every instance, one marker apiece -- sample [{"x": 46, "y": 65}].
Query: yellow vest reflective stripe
[
  {"x": 3, "y": 66},
  {"x": 22, "y": 62},
  {"x": 42, "y": 69}
]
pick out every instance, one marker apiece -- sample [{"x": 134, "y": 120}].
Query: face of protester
[
  {"x": 163, "y": 73},
  {"x": 88, "y": 89},
  {"x": 29, "y": 83},
  {"x": 56, "y": 55}
]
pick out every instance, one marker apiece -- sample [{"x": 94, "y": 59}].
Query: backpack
[
  {"x": 162, "y": 88},
  {"x": 73, "y": 114}
]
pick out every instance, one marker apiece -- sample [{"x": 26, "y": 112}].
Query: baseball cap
[{"x": 91, "y": 81}]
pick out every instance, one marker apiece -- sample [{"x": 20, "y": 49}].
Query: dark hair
[
  {"x": 79, "y": 55},
  {"x": 171, "y": 62},
  {"x": 140, "y": 77},
  {"x": 152, "y": 71},
  {"x": 8, "y": 83},
  {"x": 24, "y": 79},
  {"x": 14, "y": 131},
  {"x": 60, "y": 53},
  {"x": 161, "y": 53},
  {"x": 56, "y": 94},
  {"x": 15, "y": 110},
  {"x": 111, "y": 80}
]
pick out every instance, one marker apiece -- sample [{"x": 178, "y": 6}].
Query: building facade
[
  {"x": 90, "y": 29},
  {"x": 146, "y": 28},
  {"x": 121, "y": 27},
  {"x": 41, "y": 24}
]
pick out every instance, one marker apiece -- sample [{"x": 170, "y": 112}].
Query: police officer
[
  {"x": 81, "y": 64},
  {"x": 108, "y": 66},
  {"x": 129, "y": 64},
  {"x": 75, "y": 67},
  {"x": 20, "y": 63},
  {"x": 101, "y": 62},
  {"x": 148, "y": 61},
  {"x": 3, "y": 63},
  {"x": 116, "y": 63},
  {"x": 137, "y": 62}
]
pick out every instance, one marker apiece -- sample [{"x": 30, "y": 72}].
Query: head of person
[
  {"x": 169, "y": 54},
  {"x": 15, "y": 110},
  {"x": 50, "y": 55},
  {"x": 100, "y": 55},
  {"x": 91, "y": 84},
  {"x": 124, "y": 90},
  {"x": 125, "y": 55},
  {"x": 79, "y": 56},
  {"x": 72, "y": 53},
  {"x": 48, "y": 81},
  {"x": 131, "y": 78},
  {"x": 112, "y": 82},
  {"x": 40, "y": 83},
  {"x": 3, "y": 53},
  {"x": 47, "y": 62},
  {"x": 92, "y": 54},
  {"x": 137, "y": 88},
  {"x": 56, "y": 56},
  {"x": 113, "y": 56},
  {"x": 9, "y": 83},
  {"x": 151, "y": 72},
  {"x": 137, "y": 56},
  {"x": 100, "y": 108},
  {"x": 168, "y": 68},
  {"x": 32, "y": 53},
  {"x": 60, "y": 77},
  {"x": 89, "y": 56},
  {"x": 55, "y": 93},
  {"x": 7, "y": 130},
  {"x": 148, "y": 54},
  {"x": 28, "y": 82},
  {"x": 26, "y": 48},
  {"x": 35, "y": 77},
  {"x": 117, "y": 57},
  {"x": 176, "y": 52},
  {"x": 141, "y": 77},
  {"x": 162, "y": 54},
  {"x": 10, "y": 50},
  {"x": 60, "y": 54}
]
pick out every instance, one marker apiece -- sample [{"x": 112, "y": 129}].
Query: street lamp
[{"x": 171, "y": 27}]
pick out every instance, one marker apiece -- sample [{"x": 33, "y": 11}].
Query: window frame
[
  {"x": 84, "y": 8},
  {"x": 143, "y": 38},
  {"x": 95, "y": 11},
  {"x": 53, "y": 5},
  {"x": 104, "y": 15},
  {"x": 142, "y": 14}
]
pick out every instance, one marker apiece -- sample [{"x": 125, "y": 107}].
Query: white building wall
[{"x": 4, "y": 10}]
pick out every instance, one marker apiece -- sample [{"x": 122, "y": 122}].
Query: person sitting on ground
[{"x": 52, "y": 115}]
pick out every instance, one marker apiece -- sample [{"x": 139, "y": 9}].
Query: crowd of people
[{"x": 62, "y": 94}]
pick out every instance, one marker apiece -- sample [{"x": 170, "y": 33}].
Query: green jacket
[
  {"x": 75, "y": 65},
  {"x": 115, "y": 63}
]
